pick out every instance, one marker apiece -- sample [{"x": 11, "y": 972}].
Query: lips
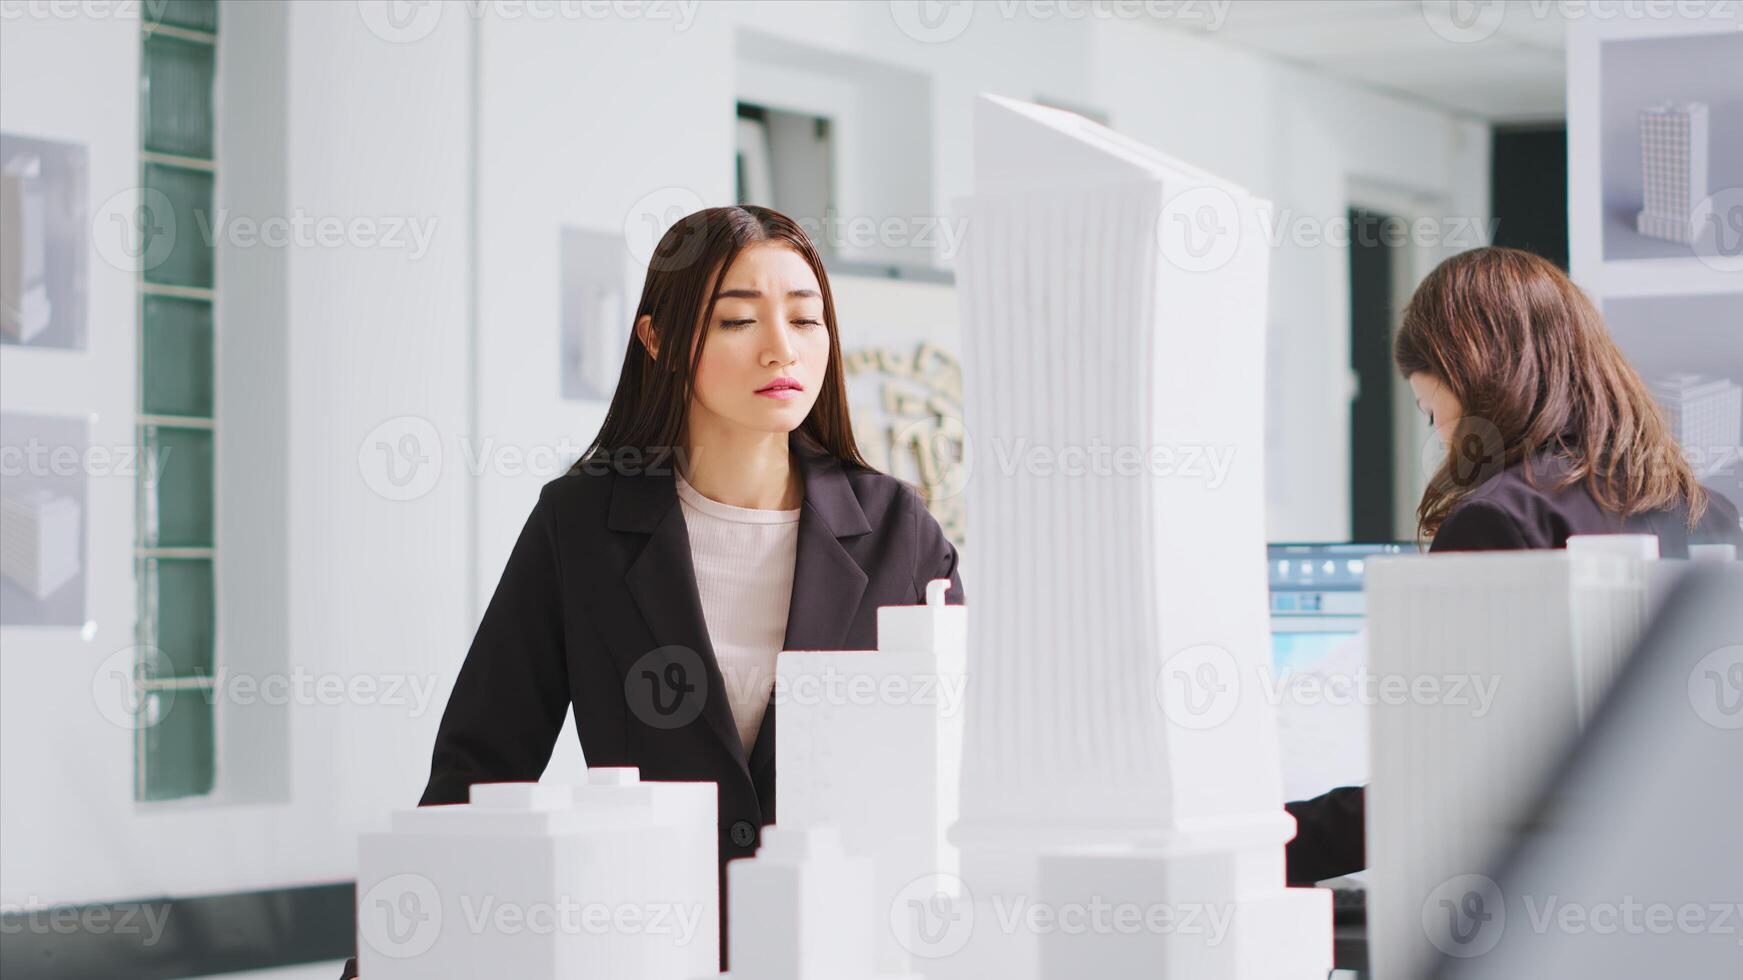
[{"x": 781, "y": 386}]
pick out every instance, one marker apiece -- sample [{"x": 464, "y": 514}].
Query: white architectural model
[
  {"x": 1113, "y": 306},
  {"x": 802, "y": 909},
  {"x": 1503, "y": 657},
  {"x": 39, "y": 540},
  {"x": 612, "y": 880},
  {"x": 1673, "y": 168},
  {"x": 24, "y": 303},
  {"x": 1706, "y": 417},
  {"x": 869, "y": 749}
]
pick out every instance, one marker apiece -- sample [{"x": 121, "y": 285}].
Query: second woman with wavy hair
[{"x": 1549, "y": 433}]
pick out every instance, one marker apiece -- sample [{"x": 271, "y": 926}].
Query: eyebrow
[{"x": 755, "y": 294}]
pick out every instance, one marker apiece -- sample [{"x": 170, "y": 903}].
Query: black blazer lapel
[
  {"x": 827, "y": 583},
  {"x": 662, "y": 581}
]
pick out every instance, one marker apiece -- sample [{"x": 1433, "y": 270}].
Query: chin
[{"x": 774, "y": 419}]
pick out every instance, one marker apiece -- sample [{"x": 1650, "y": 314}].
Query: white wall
[
  {"x": 68, "y": 772},
  {"x": 579, "y": 121},
  {"x": 376, "y": 588}
]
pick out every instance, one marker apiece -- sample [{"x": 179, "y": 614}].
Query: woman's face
[
  {"x": 768, "y": 346},
  {"x": 1436, "y": 401}
]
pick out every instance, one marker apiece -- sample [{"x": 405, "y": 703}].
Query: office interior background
[{"x": 365, "y": 270}]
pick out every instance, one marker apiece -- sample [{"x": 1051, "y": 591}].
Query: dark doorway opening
[
  {"x": 1528, "y": 189},
  {"x": 1375, "y": 239}
]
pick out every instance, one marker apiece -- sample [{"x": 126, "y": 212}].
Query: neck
[{"x": 739, "y": 467}]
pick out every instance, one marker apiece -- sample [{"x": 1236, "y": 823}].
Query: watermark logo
[
  {"x": 134, "y": 230},
  {"x": 409, "y": 21},
  {"x": 401, "y": 916},
  {"x": 1464, "y": 21},
  {"x": 932, "y": 21},
  {"x": 145, "y": 920},
  {"x": 1715, "y": 687},
  {"x": 1207, "y": 464},
  {"x": 1465, "y": 916},
  {"x": 400, "y": 21},
  {"x": 1200, "y": 229},
  {"x": 652, "y": 216},
  {"x": 1719, "y": 244},
  {"x": 667, "y": 687},
  {"x": 118, "y": 687},
  {"x": 933, "y": 916},
  {"x": 1199, "y": 687},
  {"x": 401, "y": 459},
  {"x": 1475, "y": 454}
]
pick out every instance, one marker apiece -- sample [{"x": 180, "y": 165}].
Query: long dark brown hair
[
  {"x": 648, "y": 411},
  {"x": 1528, "y": 357}
]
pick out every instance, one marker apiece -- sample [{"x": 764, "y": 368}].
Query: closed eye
[
  {"x": 734, "y": 324},
  {"x": 809, "y": 322}
]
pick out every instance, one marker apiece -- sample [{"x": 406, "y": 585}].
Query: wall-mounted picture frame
[
  {"x": 1671, "y": 116},
  {"x": 43, "y": 519},
  {"x": 44, "y": 242},
  {"x": 1689, "y": 349},
  {"x": 595, "y": 312}
]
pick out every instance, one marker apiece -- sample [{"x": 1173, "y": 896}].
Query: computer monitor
[
  {"x": 1316, "y": 598},
  {"x": 1317, "y": 610}
]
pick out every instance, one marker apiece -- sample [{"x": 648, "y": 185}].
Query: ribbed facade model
[
  {"x": 1114, "y": 316},
  {"x": 1499, "y": 659}
]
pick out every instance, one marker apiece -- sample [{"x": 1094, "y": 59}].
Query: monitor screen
[
  {"x": 1316, "y": 598},
  {"x": 1317, "y": 656}
]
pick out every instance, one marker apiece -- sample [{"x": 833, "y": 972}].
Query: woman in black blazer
[
  {"x": 1550, "y": 433},
  {"x": 598, "y": 606}
]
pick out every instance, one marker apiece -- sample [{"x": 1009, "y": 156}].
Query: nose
[{"x": 778, "y": 348}]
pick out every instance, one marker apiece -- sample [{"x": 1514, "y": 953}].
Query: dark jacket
[
  {"x": 1508, "y": 512},
  {"x": 598, "y": 607},
  {"x": 1512, "y": 512}
]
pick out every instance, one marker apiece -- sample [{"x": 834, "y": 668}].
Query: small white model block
[
  {"x": 801, "y": 909},
  {"x": 1673, "y": 169},
  {"x": 1181, "y": 913},
  {"x": 1712, "y": 552},
  {"x": 870, "y": 745},
  {"x": 613, "y": 879},
  {"x": 1495, "y": 661},
  {"x": 1639, "y": 547},
  {"x": 39, "y": 540}
]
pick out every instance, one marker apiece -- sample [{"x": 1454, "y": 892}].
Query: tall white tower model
[
  {"x": 1113, "y": 309},
  {"x": 870, "y": 751},
  {"x": 1501, "y": 658},
  {"x": 1706, "y": 417},
  {"x": 1673, "y": 168},
  {"x": 610, "y": 880}
]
